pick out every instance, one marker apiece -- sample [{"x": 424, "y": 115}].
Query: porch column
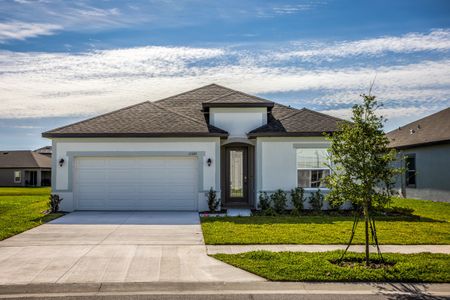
[{"x": 38, "y": 177}]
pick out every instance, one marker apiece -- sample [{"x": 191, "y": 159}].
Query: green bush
[
  {"x": 297, "y": 199},
  {"x": 213, "y": 202},
  {"x": 53, "y": 203},
  {"x": 279, "y": 201},
  {"x": 316, "y": 201},
  {"x": 264, "y": 201}
]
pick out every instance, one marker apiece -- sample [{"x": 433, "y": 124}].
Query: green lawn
[
  {"x": 431, "y": 226},
  {"x": 301, "y": 266},
  {"x": 22, "y": 209}
]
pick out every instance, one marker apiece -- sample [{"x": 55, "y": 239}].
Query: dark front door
[{"x": 236, "y": 177}]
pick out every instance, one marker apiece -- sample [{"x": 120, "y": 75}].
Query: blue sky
[{"x": 63, "y": 61}]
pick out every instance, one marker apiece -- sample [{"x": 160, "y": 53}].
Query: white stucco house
[{"x": 167, "y": 154}]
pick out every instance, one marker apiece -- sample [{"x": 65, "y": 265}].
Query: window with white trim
[
  {"x": 312, "y": 167},
  {"x": 410, "y": 161},
  {"x": 17, "y": 176}
]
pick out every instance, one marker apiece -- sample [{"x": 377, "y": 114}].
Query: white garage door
[{"x": 138, "y": 183}]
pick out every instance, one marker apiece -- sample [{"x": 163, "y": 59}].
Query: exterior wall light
[
  {"x": 61, "y": 162},
  {"x": 209, "y": 162}
]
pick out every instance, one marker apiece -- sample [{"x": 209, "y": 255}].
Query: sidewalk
[
  {"x": 221, "y": 290},
  {"x": 233, "y": 249}
]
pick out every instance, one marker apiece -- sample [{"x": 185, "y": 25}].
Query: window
[
  {"x": 17, "y": 176},
  {"x": 410, "y": 162},
  {"x": 312, "y": 167}
]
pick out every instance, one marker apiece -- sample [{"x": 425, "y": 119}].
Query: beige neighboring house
[
  {"x": 425, "y": 145},
  {"x": 24, "y": 168}
]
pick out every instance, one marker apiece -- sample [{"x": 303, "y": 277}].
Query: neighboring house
[
  {"x": 167, "y": 154},
  {"x": 425, "y": 145},
  {"x": 24, "y": 168},
  {"x": 46, "y": 150}
]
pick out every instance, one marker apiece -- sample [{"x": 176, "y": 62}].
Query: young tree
[{"x": 362, "y": 167}]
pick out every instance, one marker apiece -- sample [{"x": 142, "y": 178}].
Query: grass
[
  {"x": 22, "y": 191},
  {"x": 22, "y": 209},
  {"x": 430, "y": 226},
  {"x": 302, "y": 266}
]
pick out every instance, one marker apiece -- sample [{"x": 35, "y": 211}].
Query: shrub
[
  {"x": 316, "y": 201},
  {"x": 279, "y": 201},
  {"x": 297, "y": 198},
  {"x": 213, "y": 202},
  {"x": 54, "y": 201},
  {"x": 264, "y": 201}
]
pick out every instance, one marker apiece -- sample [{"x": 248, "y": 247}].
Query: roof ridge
[
  {"x": 183, "y": 93},
  {"x": 95, "y": 117},
  {"x": 221, "y": 96},
  {"x": 186, "y": 117},
  {"x": 233, "y": 91},
  {"x": 292, "y": 114},
  {"x": 169, "y": 110},
  {"x": 34, "y": 158},
  {"x": 256, "y": 97}
]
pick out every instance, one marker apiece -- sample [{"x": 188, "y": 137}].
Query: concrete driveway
[{"x": 86, "y": 247}]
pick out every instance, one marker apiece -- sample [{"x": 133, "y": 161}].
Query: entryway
[{"x": 237, "y": 175}]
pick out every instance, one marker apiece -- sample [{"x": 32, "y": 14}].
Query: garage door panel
[
  {"x": 92, "y": 175},
  {"x": 92, "y": 163},
  {"x": 136, "y": 183}
]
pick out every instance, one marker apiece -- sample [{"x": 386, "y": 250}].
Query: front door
[{"x": 236, "y": 177}]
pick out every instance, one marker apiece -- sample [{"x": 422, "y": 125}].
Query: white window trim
[
  {"x": 311, "y": 188},
  {"x": 14, "y": 175}
]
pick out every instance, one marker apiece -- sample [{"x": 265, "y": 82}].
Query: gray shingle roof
[
  {"x": 183, "y": 115},
  {"x": 432, "y": 129},
  {"x": 24, "y": 159},
  {"x": 293, "y": 122},
  {"x": 236, "y": 97}
]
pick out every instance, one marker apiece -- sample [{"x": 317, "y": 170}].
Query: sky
[{"x": 64, "y": 61}]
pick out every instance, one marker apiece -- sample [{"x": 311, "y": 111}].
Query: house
[
  {"x": 425, "y": 146},
  {"x": 24, "y": 168},
  {"x": 167, "y": 154},
  {"x": 46, "y": 150}
]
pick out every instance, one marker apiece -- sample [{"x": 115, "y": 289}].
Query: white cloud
[
  {"x": 291, "y": 9},
  {"x": 56, "y": 84},
  {"x": 20, "y": 30},
  {"x": 396, "y": 117},
  {"x": 438, "y": 40}
]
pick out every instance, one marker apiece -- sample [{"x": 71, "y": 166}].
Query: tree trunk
[{"x": 366, "y": 221}]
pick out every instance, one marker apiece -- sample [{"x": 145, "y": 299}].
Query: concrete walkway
[
  {"x": 90, "y": 247},
  {"x": 233, "y": 249}
]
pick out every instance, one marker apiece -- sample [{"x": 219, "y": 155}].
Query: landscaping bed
[
  {"x": 22, "y": 209},
  {"x": 325, "y": 266},
  {"x": 428, "y": 223}
]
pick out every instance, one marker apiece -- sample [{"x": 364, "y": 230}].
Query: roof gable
[{"x": 431, "y": 129}]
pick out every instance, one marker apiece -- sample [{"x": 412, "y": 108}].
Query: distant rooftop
[
  {"x": 24, "y": 159},
  {"x": 46, "y": 150},
  {"x": 429, "y": 130}
]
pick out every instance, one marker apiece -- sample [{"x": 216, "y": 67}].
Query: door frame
[{"x": 249, "y": 157}]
